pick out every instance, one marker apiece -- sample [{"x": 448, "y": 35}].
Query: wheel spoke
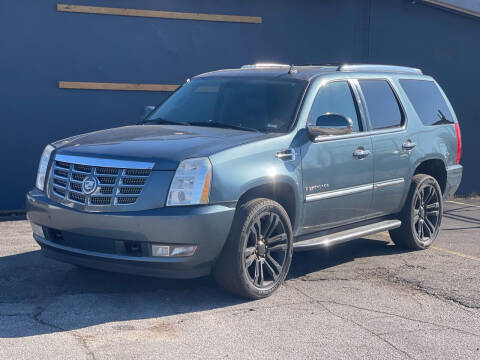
[
  {"x": 432, "y": 212},
  {"x": 277, "y": 239},
  {"x": 249, "y": 261},
  {"x": 430, "y": 226},
  {"x": 274, "y": 262},
  {"x": 261, "y": 273},
  {"x": 421, "y": 234},
  {"x": 416, "y": 215},
  {"x": 280, "y": 247},
  {"x": 418, "y": 202},
  {"x": 272, "y": 225},
  {"x": 433, "y": 206},
  {"x": 271, "y": 271},
  {"x": 428, "y": 197},
  {"x": 249, "y": 251},
  {"x": 426, "y": 230},
  {"x": 257, "y": 272}
]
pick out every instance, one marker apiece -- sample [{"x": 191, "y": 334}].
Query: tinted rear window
[
  {"x": 383, "y": 108},
  {"x": 428, "y": 102}
]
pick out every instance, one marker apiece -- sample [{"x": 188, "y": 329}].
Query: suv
[{"x": 238, "y": 168}]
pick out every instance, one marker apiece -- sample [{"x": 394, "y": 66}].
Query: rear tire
[
  {"x": 258, "y": 252},
  {"x": 421, "y": 215}
]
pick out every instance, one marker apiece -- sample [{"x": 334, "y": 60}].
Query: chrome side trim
[
  {"x": 101, "y": 162},
  {"x": 340, "y": 192},
  {"x": 353, "y": 190},
  {"x": 385, "y": 183},
  {"x": 359, "y": 134}
]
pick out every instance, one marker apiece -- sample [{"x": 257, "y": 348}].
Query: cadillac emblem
[{"x": 89, "y": 185}]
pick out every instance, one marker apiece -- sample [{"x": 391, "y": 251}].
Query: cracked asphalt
[{"x": 362, "y": 299}]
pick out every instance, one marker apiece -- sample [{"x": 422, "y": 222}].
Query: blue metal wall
[{"x": 40, "y": 46}]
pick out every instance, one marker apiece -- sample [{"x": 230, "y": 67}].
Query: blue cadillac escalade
[{"x": 238, "y": 168}]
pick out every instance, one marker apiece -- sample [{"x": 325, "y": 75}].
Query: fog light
[
  {"x": 160, "y": 250},
  {"x": 172, "y": 250},
  {"x": 37, "y": 230}
]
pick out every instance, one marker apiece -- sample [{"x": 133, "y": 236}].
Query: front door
[{"x": 337, "y": 170}]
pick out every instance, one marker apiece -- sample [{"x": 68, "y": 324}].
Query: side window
[
  {"x": 428, "y": 102},
  {"x": 336, "y": 98},
  {"x": 383, "y": 108}
]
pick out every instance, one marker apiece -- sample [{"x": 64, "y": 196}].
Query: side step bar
[{"x": 346, "y": 235}]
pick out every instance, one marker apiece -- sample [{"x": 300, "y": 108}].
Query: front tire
[
  {"x": 258, "y": 252},
  {"x": 421, "y": 215}
]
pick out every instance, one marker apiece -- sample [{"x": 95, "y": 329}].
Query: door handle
[
  {"x": 361, "y": 153},
  {"x": 286, "y": 155},
  {"x": 408, "y": 145}
]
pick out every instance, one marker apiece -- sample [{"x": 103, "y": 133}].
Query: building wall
[
  {"x": 40, "y": 46},
  {"x": 445, "y": 45}
]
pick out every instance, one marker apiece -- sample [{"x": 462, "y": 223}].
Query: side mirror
[
  {"x": 147, "y": 110},
  {"x": 330, "y": 124}
]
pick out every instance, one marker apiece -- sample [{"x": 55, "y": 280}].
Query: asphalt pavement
[{"x": 363, "y": 299}]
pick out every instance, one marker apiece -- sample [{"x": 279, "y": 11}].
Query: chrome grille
[
  {"x": 116, "y": 186},
  {"x": 134, "y": 181},
  {"x": 125, "y": 200}
]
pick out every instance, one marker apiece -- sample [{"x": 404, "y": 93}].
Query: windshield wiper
[
  {"x": 160, "y": 121},
  {"x": 442, "y": 119},
  {"x": 222, "y": 125}
]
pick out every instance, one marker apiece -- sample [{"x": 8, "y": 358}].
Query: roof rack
[
  {"x": 379, "y": 68},
  {"x": 344, "y": 67},
  {"x": 265, "y": 65}
]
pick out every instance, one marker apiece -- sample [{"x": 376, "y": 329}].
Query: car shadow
[
  {"x": 308, "y": 262},
  {"x": 42, "y": 296}
]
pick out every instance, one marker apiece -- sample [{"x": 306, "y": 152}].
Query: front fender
[{"x": 237, "y": 170}]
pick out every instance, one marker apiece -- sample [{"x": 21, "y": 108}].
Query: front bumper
[{"x": 108, "y": 234}]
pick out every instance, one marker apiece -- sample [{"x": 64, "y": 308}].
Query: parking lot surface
[{"x": 363, "y": 299}]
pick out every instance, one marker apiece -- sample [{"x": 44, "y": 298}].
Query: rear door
[
  {"x": 337, "y": 178},
  {"x": 391, "y": 142}
]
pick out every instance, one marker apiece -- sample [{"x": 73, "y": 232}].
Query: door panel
[
  {"x": 391, "y": 171},
  {"x": 391, "y": 145},
  {"x": 337, "y": 185}
]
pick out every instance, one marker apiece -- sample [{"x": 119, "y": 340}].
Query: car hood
[{"x": 165, "y": 145}]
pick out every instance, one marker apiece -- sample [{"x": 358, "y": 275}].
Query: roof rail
[
  {"x": 265, "y": 65},
  {"x": 380, "y": 68}
]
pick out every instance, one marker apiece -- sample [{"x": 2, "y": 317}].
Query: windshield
[{"x": 251, "y": 103}]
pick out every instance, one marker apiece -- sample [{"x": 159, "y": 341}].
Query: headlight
[
  {"x": 42, "y": 167},
  {"x": 191, "y": 183}
]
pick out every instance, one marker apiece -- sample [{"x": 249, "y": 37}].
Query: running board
[{"x": 346, "y": 235}]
